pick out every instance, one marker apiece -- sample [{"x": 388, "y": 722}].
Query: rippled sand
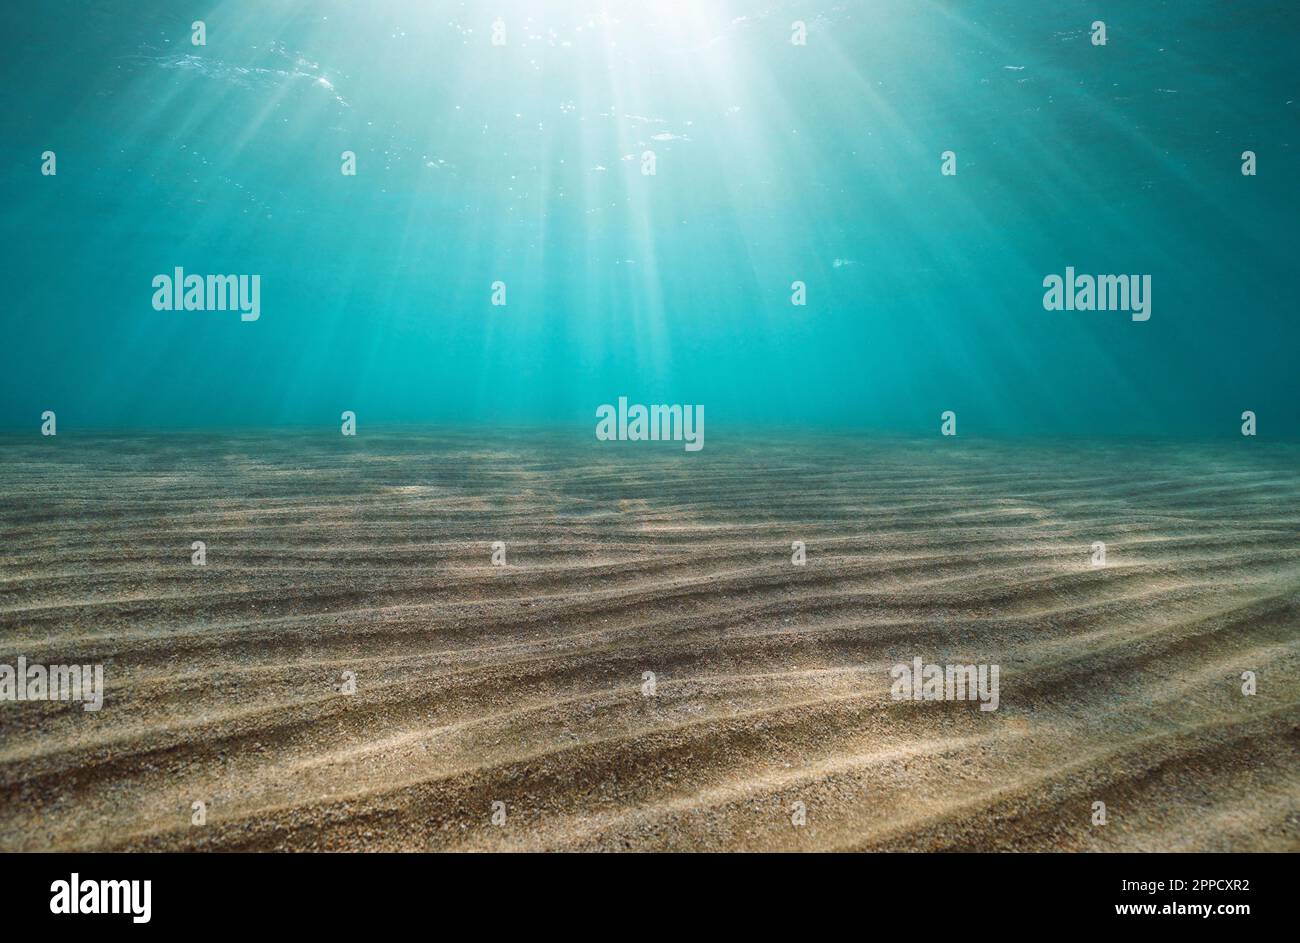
[{"x": 523, "y": 684}]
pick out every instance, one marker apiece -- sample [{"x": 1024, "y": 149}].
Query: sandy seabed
[{"x": 525, "y": 684}]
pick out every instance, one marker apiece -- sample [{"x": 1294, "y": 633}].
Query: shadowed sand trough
[{"x": 523, "y": 684}]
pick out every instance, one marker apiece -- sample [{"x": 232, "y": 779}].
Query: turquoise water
[{"x": 774, "y": 163}]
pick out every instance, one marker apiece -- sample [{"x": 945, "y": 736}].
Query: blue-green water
[{"x": 774, "y": 163}]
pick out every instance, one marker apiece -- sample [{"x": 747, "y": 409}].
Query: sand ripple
[{"x": 522, "y": 684}]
